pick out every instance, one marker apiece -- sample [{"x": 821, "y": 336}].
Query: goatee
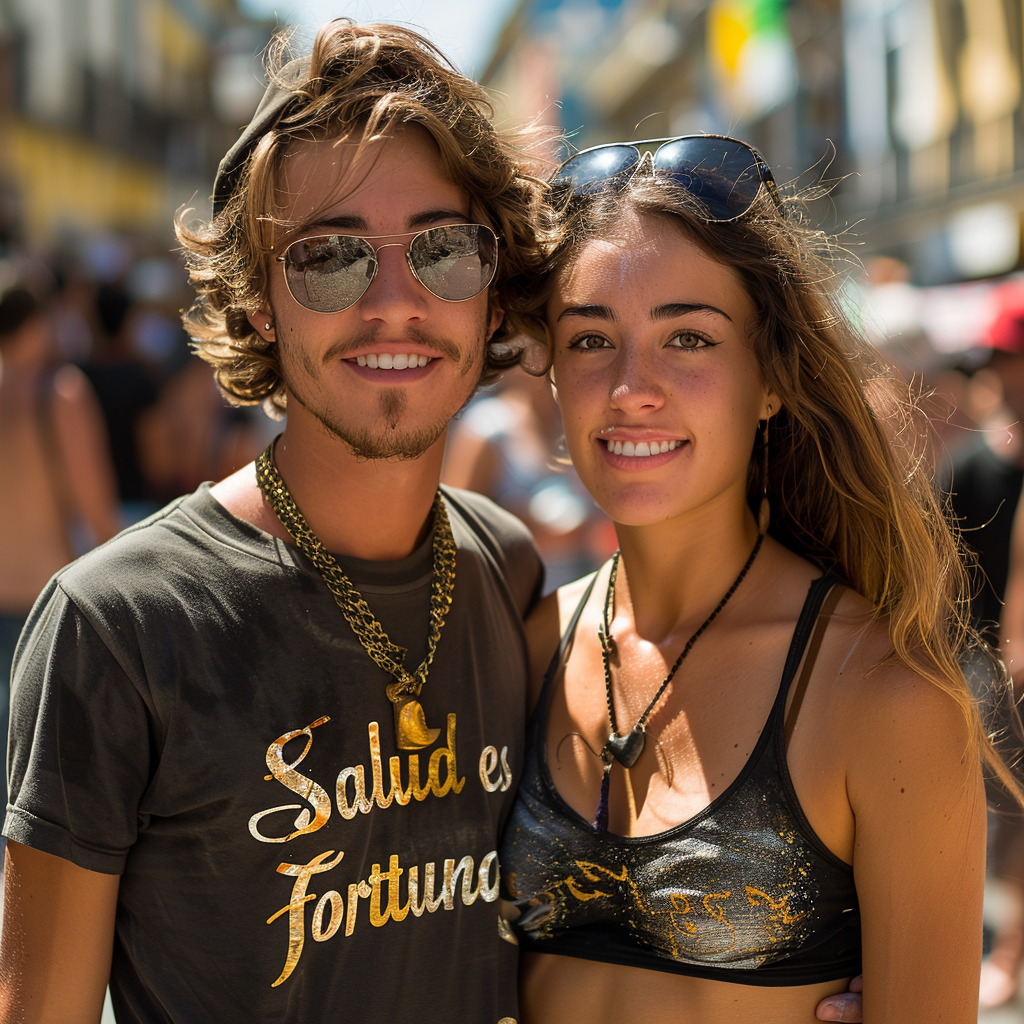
[{"x": 389, "y": 443}]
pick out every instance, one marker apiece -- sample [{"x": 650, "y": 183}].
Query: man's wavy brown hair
[
  {"x": 849, "y": 479},
  {"x": 360, "y": 83}
]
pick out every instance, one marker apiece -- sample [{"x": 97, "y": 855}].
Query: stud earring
[{"x": 267, "y": 326}]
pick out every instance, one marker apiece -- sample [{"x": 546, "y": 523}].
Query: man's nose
[{"x": 394, "y": 295}]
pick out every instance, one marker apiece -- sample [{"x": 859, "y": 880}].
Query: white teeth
[
  {"x": 641, "y": 449},
  {"x": 385, "y": 361}
]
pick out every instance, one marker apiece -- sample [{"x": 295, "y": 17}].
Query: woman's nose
[{"x": 636, "y": 386}]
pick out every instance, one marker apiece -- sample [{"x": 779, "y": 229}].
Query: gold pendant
[{"x": 411, "y": 732}]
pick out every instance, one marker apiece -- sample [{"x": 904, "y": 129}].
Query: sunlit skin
[{"x": 650, "y": 341}]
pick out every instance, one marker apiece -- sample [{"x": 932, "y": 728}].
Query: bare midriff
[{"x": 557, "y": 989}]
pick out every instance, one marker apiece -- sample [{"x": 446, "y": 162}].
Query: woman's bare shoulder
[{"x": 885, "y": 712}]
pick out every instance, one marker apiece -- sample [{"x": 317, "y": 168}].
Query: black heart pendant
[{"x": 626, "y": 749}]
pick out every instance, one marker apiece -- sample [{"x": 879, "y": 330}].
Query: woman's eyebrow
[
  {"x": 587, "y": 312},
  {"x": 671, "y": 310}
]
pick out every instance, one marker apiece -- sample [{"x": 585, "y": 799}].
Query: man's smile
[{"x": 387, "y": 361}]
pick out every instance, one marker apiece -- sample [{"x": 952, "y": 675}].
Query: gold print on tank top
[
  {"x": 592, "y": 872},
  {"x": 780, "y": 908},
  {"x": 694, "y": 924},
  {"x": 709, "y": 938}
]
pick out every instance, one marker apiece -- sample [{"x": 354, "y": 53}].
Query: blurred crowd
[{"x": 105, "y": 415}]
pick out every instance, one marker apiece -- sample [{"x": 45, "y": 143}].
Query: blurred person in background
[
  {"x": 987, "y": 470},
  {"x": 127, "y": 388},
  {"x": 60, "y": 496},
  {"x": 986, "y": 490},
  {"x": 504, "y": 446}
]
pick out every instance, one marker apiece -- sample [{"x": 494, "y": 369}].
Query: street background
[{"x": 898, "y": 122}]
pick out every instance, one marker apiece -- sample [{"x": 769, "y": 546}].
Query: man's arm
[{"x": 58, "y": 933}]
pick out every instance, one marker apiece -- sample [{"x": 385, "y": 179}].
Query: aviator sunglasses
[
  {"x": 329, "y": 273},
  {"x": 723, "y": 174}
]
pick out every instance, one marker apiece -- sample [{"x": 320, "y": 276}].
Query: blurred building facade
[
  {"x": 114, "y": 112},
  {"x": 911, "y": 107}
]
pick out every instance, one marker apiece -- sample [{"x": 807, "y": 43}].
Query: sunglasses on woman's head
[
  {"x": 723, "y": 174},
  {"x": 329, "y": 273}
]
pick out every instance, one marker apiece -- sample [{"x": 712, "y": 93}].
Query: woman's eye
[
  {"x": 590, "y": 342},
  {"x": 692, "y": 340}
]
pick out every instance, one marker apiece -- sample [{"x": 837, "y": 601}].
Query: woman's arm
[{"x": 915, "y": 786}]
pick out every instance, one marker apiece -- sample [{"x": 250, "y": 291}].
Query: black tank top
[{"x": 744, "y": 891}]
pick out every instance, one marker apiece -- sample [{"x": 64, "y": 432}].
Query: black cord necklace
[{"x": 626, "y": 748}]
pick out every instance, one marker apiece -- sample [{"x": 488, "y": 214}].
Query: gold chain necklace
[{"x": 411, "y": 732}]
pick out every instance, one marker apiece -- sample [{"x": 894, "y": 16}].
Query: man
[{"x": 226, "y": 765}]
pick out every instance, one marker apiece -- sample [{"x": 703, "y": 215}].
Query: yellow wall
[
  {"x": 181, "y": 48},
  {"x": 63, "y": 179}
]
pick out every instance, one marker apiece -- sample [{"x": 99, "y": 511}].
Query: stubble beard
[{"x": 389, "y": 442}]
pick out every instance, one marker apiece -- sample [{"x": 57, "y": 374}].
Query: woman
[{"x": 754, "y": 767}]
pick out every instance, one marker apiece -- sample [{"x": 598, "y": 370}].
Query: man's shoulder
[
  {"x": 479, "y": 513},
  {"x": 188, "y": 538}
]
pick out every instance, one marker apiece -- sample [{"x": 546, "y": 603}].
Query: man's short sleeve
[{"x": 79, "y": 750}]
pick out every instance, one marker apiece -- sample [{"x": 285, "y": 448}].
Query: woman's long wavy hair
[
  {"x": 359, "y": 84},
  {"x": 849, "y": 479}
]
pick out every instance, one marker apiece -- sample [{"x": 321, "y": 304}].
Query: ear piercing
[{"x": 267, "y": 326}]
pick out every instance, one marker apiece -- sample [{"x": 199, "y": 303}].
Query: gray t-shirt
[{"x": 191, "y": 711}]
